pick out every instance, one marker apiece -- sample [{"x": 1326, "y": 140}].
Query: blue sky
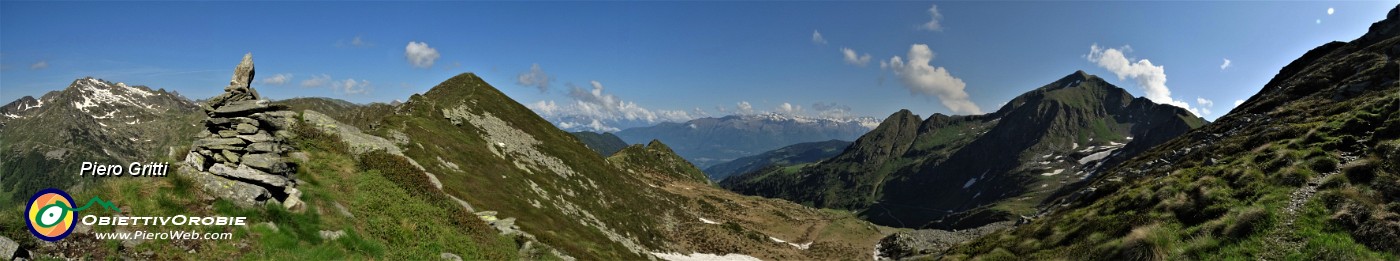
[{"x": 658, "y": 61}]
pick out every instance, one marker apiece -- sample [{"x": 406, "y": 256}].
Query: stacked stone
[{"x": 240, "y": 154}]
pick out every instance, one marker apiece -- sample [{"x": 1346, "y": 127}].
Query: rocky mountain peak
[{"x": 1384, "y": 29}]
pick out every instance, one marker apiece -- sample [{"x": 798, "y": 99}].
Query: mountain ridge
[
  {"x": 957, "y": 158},
  {"x": 1304, "y": 169}
]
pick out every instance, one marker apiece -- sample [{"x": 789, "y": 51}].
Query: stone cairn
[{"x": 240, "y": 154}]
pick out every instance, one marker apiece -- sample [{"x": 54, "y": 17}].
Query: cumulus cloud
[
  {"x": 1238, "y": 102},
  {"x": 854, "y": 59},
  {"x": 744, "y": 107},
  {"x": 1331, "y": 10},
  {"x": 1225, "y": 65},
  {"x": 41, "y": 64},
  {"x": 1203, "y": 102},
  {"x": 817, "y": 38},
  {"x": 1152, "y": 78},
  {"x": 350, "y": 86},
  {"x": 594, "y": 108},
  {"x": 789, "y": 109},
  {"x": 924, "y": 79},
  {"x": 278, "y": 79},
  {"x": 536, "y": 77},
  {"x": 420, "y": 55},
  {"x": 935, "y": 20},
  {"x": 316, "y": 81}
]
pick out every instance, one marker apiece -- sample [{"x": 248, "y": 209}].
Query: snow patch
[
  {"x": 1075, "y": 146},
  {"x": 707, "y": 221},
  {"x": 704, "y": 257},
  {"x": 1052, "y": 173},
  {"x": 1096, "y": 156},
  {"x": 803, "y": 246},
  {"x": 110, "y": 114},
  {"x": 969, "y": 183}
]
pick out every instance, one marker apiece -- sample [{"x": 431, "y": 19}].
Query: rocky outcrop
[
  {"x": 240, "y": 154},
  {"x": 930, "y": 243},
  {"x": 10, "y": 250}
]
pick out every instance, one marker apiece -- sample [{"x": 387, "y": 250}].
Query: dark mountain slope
[
  {"x": 914, "y": 173},
  {"x": 1260, "y": 183},
  {"x": 604, "y": 143}
]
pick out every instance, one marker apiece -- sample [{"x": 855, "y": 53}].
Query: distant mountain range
[
  {"x": 44, "y": 140},
  {"x": 795, "y": 154},
  {"x": 955, "y": 172},
  {"x": 709, "y": 141}
]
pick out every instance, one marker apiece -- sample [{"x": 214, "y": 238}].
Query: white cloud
[
  {"x": 1225, "y": 65},
  {"x": 1331, "y": 10},
  {"x": 1319, "y": 21},
  {"x": 350, "y": 86},
  {"x": 1238, "y": 102},
  {"x": 817, "y": 38},
  {"x": 420, "y": 55},
  {"x": 924, "y": 79},
  {"x": 316, "y": 81},
  {"x": 935, "y": 20},
  {"x": 536, "y": 77},
  {"x": 347, "y": 86},
  {"x": 832, "y": 110},
  {"x": 278, "y": 79},
  {"x": 41, "y": 64},
  {"x": 1205, "y": 105},
  {"x": 853, "y": 59},
  {"x": 789, "y": 109},
  {"x": 1203, "y": 102},
  {"x": 1152, "y": 78},
  {"x": 744, "y": 107},
  {"x": 358, "y": 41},
  {"x": 594, "y": 108}
]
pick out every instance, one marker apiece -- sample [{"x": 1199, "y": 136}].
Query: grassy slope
[
  {"x": 744, "y": 224},
  {"x": 566, "y": 211},
  {"x": 1238, "y": 188},
  {"x": 397, "y": 215},
  {"x": 391, "y": 219}
]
